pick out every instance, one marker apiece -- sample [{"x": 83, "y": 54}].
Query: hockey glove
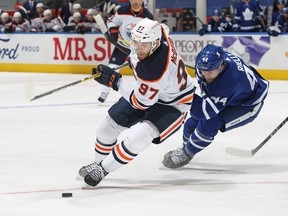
[
  {"x": 108, "y": 76},
  {"x": 201, "y": 31},
  {"x": 49, "y": 30},
  {"x": 236, "y": 28},
  {"x": 274, "y": 31},
  {"x": 69, "y": 28},
  {"x": 113, "y": 34},
  {"x": 81, "y": 29},
  {"x": 9, "y": 29}
]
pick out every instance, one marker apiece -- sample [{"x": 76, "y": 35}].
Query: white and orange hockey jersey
[
  {"x": 160, "y": 78},
  {"x": 126, "y": 19}
]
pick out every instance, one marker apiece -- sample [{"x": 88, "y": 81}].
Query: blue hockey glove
[
  {"x": 236, "y": 28},
  {"x": 274, "y": 31},
  {"x": 108, "y": 76}
]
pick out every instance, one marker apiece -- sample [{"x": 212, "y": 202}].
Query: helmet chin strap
[{"x": 157, "y": 45}]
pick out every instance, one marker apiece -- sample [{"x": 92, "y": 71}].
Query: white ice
[{"x": 43, "y": 144}]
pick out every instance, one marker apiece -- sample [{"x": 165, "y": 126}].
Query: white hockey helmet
[
  {"x": 76, "y": 15},
  {"x": 47, "y": 12},
  {"x": 91, "y": 11},
  {"x": 17, "y": 16},
  {"x": 76, "y": 7},
  {"x": 40, "y": 5},
  {"x": 148, "y": 31},
  {"x": 5, "y": 15}
]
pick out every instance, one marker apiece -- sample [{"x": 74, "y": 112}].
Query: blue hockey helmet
[
  {"x": 210, "y": 57},
  {"x": 216, "y": 12}
]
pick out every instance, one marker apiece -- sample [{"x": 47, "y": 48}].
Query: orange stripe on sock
[
  {"x": 122, "y": 155},
  {"x": 97, "y": 146}
]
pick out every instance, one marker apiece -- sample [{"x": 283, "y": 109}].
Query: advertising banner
[{"x": 76, "y": 53}]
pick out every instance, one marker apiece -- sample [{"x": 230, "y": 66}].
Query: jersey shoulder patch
[{"x": 152, "y": 68}]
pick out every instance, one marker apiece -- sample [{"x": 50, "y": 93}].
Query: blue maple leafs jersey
[
  {"x": 245, "y": 14},
  {"x": 237, "y": 85}
]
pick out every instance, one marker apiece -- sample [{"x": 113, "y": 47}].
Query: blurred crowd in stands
[{"x": 240, "y": 16}]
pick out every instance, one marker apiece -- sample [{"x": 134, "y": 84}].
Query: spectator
[
  {"x": 5, "y": 20},
  {"x": 248, "y": 16},
  {"x": 19, "y": 24},
  {"x": 216, "y": 24},
  {"x": 30, "y": 7},
  {"x": 37, "y": 20},
  {"x": 280, "y": 4},
  {"x": 51, "y": 24}
]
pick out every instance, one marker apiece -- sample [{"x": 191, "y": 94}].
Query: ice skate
[
  {"x": 177, "y": 158},
  {"x": 85, "y": 170},
  {"x": 103, "y": 97},
  {"x": 95, "y": 176}
]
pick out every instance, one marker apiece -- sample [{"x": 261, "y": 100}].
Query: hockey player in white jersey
[
  {"x": 19, "y": 24},
  {"x": 153, "y": 107},
  {"x": 120, "y": 27},
  {"x": 51, "y": 24},
  {"x": 37, "y": 20}
]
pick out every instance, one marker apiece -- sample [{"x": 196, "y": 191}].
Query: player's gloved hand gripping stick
[{"x": 106, "y": 76}]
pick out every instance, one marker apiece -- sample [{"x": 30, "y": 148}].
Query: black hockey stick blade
[{"x": 250, "y": 153}]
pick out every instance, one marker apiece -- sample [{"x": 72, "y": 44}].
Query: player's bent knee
[
  {"x": 108, "y": 130},
  {"x": 141, "y": 136}
]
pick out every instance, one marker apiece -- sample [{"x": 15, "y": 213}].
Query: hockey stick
[
  {"x": 30, "y": 89},
  {"x": 250, "y": 153},
  {"x": 194, "y": 15},
  {"x": 98, "y": 18}
]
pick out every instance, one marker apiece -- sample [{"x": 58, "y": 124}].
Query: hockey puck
[{"x": 67, "y": 195}]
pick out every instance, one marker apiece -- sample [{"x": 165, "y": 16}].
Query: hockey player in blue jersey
[
  {"x": 282, "y": 20},
  {"x": 248, "y": 16},
  {"x": 217, "y": 23},
  {"x": 280, "y": 6},
  {"x": 281, "y": 25},
  {"x": 232, "y": 95}
]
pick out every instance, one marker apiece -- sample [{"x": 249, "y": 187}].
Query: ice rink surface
[{"x": 43, "y": 144}]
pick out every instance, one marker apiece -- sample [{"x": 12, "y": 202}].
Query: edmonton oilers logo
[{"x": 128, "y": 29}]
